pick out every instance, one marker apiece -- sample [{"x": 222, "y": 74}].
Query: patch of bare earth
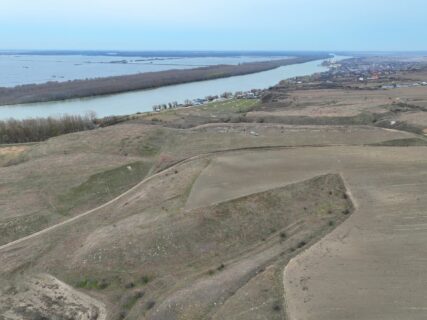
[{"x": 42, "y": 296}]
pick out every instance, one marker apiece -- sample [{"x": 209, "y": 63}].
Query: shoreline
[{"x": 77, "y": 89}]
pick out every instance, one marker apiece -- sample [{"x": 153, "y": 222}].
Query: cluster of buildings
[
  {"x": 251, "y": 94},
  {"x": 382, "y": 73},
  {"x": 364, "y": 70}
]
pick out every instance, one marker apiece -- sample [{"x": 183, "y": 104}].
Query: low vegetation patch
[
  {"x": 402, "y": 142},
  {"x": 103, "y": 186},
  {"x": 14, "y": 228},
  {"x": 93, "y": 284}
]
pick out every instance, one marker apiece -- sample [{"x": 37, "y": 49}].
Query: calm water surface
[{"x": 142, "y": 101}]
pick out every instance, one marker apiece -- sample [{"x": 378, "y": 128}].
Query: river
[{"x": 142, "y": 101}]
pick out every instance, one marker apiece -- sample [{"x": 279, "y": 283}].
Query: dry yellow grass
[{"x": 12, "y": 151}]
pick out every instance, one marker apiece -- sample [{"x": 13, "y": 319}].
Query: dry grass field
[{"x": 307, "y": 207}]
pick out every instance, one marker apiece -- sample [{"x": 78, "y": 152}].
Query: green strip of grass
[
  {"x": 103, "y": 187},
  {"x": 402, "y": 142}
]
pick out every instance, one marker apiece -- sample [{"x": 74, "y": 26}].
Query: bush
[
  {"x": 122, "y": 314},
  {"x": 211, "y": 272},
  {"x": 93, "y": 284},
  {"x": 150, "y": 304},
  {"x": 145, "y": 279},
  {"x": 301, "y": 244},
  {"x": 103, "y": 284},
  {"x": 276, "y": 307}
]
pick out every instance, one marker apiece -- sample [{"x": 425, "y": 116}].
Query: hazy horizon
[
  {"x": 191, "y": 25},
  {"x": 114, "y": 51}
]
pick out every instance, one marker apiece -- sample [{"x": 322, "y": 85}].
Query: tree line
[{"x": 39, "y": 129}]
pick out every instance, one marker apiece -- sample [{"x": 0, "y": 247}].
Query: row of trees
[
  {"x": 39, "y": 129},
  {"x": 170, "y": 105}
]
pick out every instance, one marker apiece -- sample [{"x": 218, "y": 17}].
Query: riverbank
[{"x": 57, "y": 91}]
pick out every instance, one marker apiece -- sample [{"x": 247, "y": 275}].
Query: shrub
[
  {"x": 103, "y": 284},
  {"x": 145, "y": 279},
  {"x": 88, "y": 283},
  {"x": 301, "y": 244},
  {"x": 129, "y": 285},
  {"x": 276, "y": 307},
  {"x": 122, "y": 314},
  {"x": 150, "y": 304}
]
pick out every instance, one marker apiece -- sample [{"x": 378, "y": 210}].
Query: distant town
[{"x": 364, "y": 71}]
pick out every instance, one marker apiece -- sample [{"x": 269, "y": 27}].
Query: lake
[{"x": 142, "y": 101}]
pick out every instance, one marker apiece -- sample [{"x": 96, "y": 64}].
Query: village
[
  {"x": 371, "y": 73},
  {"x": 366, "y": 71}
]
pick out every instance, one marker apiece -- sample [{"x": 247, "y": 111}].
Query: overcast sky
[{"x": 214, "y": 24}]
